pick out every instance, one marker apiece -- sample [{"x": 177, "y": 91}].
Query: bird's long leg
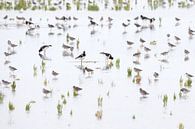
[
  {"x": 81, "y": 63},
  {"x": 44, "y": 52}
]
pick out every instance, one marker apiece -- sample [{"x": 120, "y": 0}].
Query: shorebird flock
[{"x": 76, "y": 54}]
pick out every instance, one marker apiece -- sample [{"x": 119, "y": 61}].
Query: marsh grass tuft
[
  {"x": 117, "y": 64},
  {"x": 68, "y": 6},
  {"x": 75, "y": 93},
  {"x": 181, "y": 126},
  {"x": 127, "y": 7},
  {"x": 188, "y": 83},
  {"x": 165, "y": 100},
  {"x": 59, "y": 108},
  {"x": 93, "y": 7},
  {"x": 129, "y": 72},
  {"x": 13, "y": 86},
  {"x": 68, "y": 94},
  {"x": 11, "y": 106},
  {"x": 34, "y": 70},
  {"x": 43, "y": 67},
  {"x": 1, "y": 97},
  {"x": 100, "y": 100},
  {"x": 27, "y": 107},
  {"x": 174, "y": 97}
]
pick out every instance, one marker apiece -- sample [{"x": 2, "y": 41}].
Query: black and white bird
[
  {"x": 44, "y": 48},
  {"x": 46, "y": 91},
  {"x": 11, "y": 44},
  {"x": 88, "y": 70},
  {"x": 171, "y": 45},
  {"x": 189, "y": 75},
  {"x": 12, "y": 68},
  {"x": 108, "y": 55},
  {"x": 184, "y": 90},
  {"x": 143, "y": 92},
  {"x": 156, "y": 75},
  {"x": 137, "y": 70},
  {"x": 177, "y": 39},
  {"x": 130, "y": 43},
  {"x": 186, "y": 52},
  {"x": 68, "y": 47},
  {"x": 6, "y": 83},
  {"x": 76, "y": 88},
  {"x": 81, "y": 57},
  {"x": 54, "y": 73}
]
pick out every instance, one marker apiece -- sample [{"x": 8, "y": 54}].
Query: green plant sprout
[
  {"x": 181, "y": 126},
  {"x": 13, "y": 86},
  {"x": 129, "y": 72},
  {"x": 11, "y": 106},
  {"x": 59, "y": 108},
  {"x": 1, "y": 97},
  {"x": 117, "y": 64},
  {"x": 165, "y": 100},
  {"x": 34, "y": 70},
  {"x": 188, "y": 83},
  {"x": 100, "y": 100}
]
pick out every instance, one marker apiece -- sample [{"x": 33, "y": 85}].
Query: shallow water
[{"x": 124, "y": 98}]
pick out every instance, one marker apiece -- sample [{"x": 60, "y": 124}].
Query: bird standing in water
[
  {"x": 81, "y": 57},
  {"x": 44, "y": 48},
  {"x": 143, "y": 92}
]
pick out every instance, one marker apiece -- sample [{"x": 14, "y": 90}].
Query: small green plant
[
  {"x": 28, "y": 106},
  {"x": 68, "y": 94},
  {"x": 181, "y": 126},
  {"x": 180, "y": 94},
  {"x": 174, "y": 97},
  {"x": 49, "y": 2},
  {"x": 34, "y": 70},
  {"x": 11, "y": 106},
  {"x": 45, "y": 82},
  {"x": 117, "y": 7},
  {"x": 100, "y": 99},
  {"x": 93, "y": 7},
  {"x": 188, "y": 83},
  {"x": 129, "y": 72},
  {"x": 68, "y": 7},
  {"x": 127, "y": 7},
  {"x": 78, "y": 4},
  {"x": 165, "y": 100},
  {"x": 153, "y": 42},
  {"x": 13, "y": 86},
  {"x": 64, "y": 101},
  {"x": 75, "y": 93},
  {"x": 181, "y": 81},
  {"x": 59, "y": 108},
  {"x": 52, "y": 8},
  {"x": 117, "y": 63},
  {"x": 21, "y": 5},
  {"x": 1, "y": 97},
  {"x": 34, "y": 8},
  {"x": 43, "y": 66}
]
